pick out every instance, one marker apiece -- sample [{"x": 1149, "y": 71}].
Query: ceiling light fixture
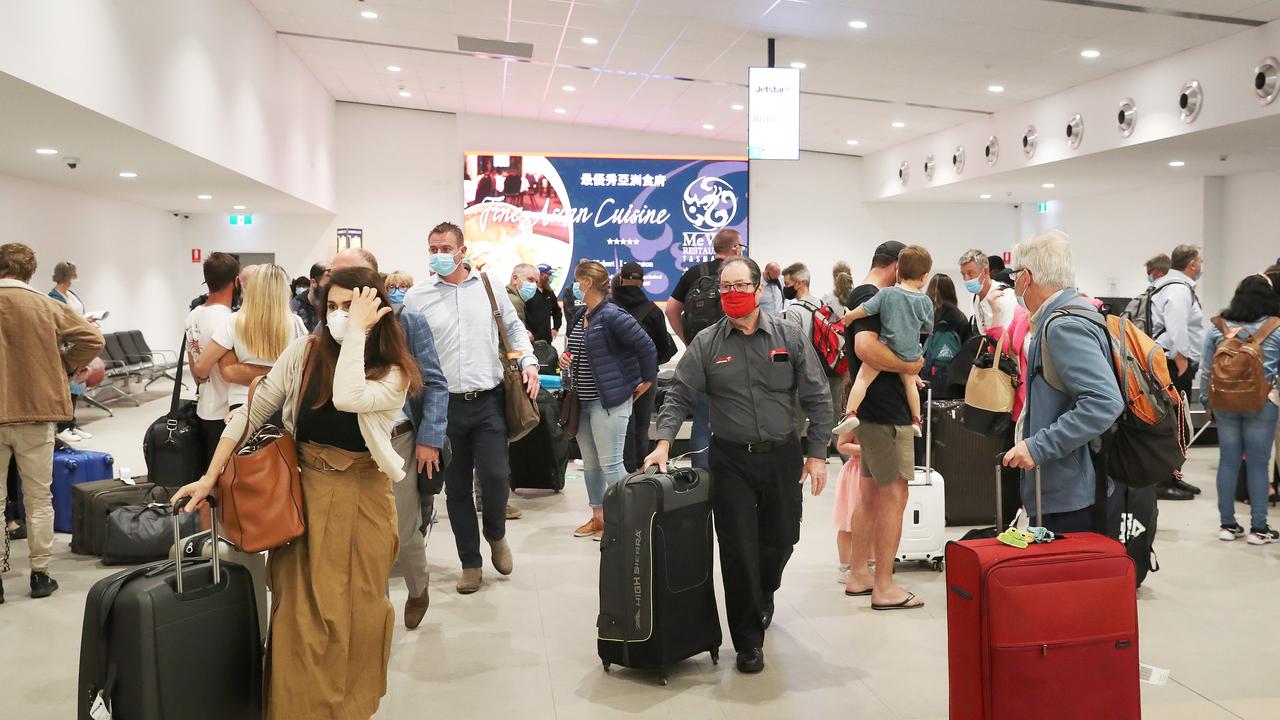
[
  {"x": 560, "y": 111},
  {"x": 798, "y": 65},
  {"x": 1176, "y": 163},
  {"x": 997, "y": 89},
  {"x": 736, "y": 106},
  {"x": 984, "y": 196},
  {"x": 1047, "y": 186},
  {"x": 237, "y": 207},
  {"x": 128, "y": 175},
  {"x": 368, "y": 15},
  {"x": 708, "y": 126},
  {"x": 204, "y": 197},
  {"x": 568, "y": 88},
  {"x": 850, "y": 141},
  {"x": 858, "y": 24},
  {"x": 590, "y": 41},
  {"x": 1090, "y": 54},
  {"x": 405, "y": 93},
  {"x": 899, "y": 124},
  {"x": 46, "y": 151},
  {"x": 393, "y": 68}
]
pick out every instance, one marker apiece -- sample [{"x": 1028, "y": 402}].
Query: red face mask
[{"x": 738, "y": 304}]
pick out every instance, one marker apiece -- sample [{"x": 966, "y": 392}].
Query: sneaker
[
  {"x": 848, "y": 423},
  {"x": 587, "y": 528},
  {"x": 82, "y": 434},
  {"x": 42, "y": 586},
  {"x": 68, "y": 436},
  {"x": 513, "y": 512},
  {"x": 1227, "y": 533},
  {"x": 1265, "y": 536}
]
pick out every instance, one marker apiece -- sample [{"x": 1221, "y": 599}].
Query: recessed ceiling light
[
  {"x": 568, "y": 88},
  {"x": 851, "y": 142},
  {"x": 588, "y": 40},
  {"x": 128, "y": 174},
  {"x": 237, "y": 207},
  {"x": 736, "y": 106},
  {"x": 985, "y": 196},
  {"x": 204, "y": 197},
  {"x": 899, "y": 124},
  {"x": 708, "y": 126},
  {"x": 561, "y": 111},
  {"x": 368, "y": 15},
  {"x": 995, "y": 88},
  {"x": 1047, "y": 186},
  {"x": 798, "y": 65},
  {"x": 405, "y": 93},
  {"x": 1090, "y": 54},
  {"x": 1176, "y": 163},
  {"x": 393, "y": 68},
  {"x": 858, "y": 24},
  {"x": 46, "y": 151}
]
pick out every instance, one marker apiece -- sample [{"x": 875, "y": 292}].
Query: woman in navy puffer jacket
[{"x": 611, "y": 360}]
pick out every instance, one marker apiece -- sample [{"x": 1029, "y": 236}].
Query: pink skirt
[{"x": 847, "y": 494}]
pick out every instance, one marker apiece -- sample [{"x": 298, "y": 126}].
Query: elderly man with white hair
[{"x": 1072, "y": 393}]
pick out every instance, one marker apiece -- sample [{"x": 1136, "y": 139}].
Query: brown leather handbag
[
  {"x": 260, "y": 489},
  {"x": 521, "y": 411}
]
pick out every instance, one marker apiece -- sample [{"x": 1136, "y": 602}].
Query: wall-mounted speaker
[
  {"x": 1266, "y": 80},
  {"x": 1075, "y": 131},
  {"x": 1191, "y": 100},
  {"x": 1127, "y": 117}
]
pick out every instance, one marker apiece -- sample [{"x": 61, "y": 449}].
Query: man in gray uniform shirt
[{"x": 753, "y": 367}]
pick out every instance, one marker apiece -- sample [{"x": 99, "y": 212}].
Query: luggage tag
[{"x": 98, "y": 710}]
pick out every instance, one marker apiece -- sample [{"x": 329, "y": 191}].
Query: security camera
[
  {"x": 72, "y": 162},
  {"x": 1017, "y": 206}
]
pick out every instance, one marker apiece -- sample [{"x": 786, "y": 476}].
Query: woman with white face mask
[{"x": 331, "y": 618}]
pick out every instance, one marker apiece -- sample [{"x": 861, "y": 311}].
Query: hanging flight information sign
[
  {"x": 773, "y": 106},
  {"x": 660, "y": 212}
]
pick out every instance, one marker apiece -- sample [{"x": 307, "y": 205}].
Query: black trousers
[
  {"x": 210, "y": 434},
  {"x": 1076, "y": 521},
  {"x": 70, "y": 424},
  {"x": 478, "y": 435},
  {"x": 756, "y": 499},
  {"x": 637, "y": 443},
  {"x": 1183, "y": 382}
]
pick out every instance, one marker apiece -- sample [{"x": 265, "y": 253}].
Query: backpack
[
  {"x": 1148, "y": 441},
  {"x": 939, "y": 350},
  {"x": 702, "y": 302},
  {"x": 1138, "y": 311},
  {"x": 665, "y": 346},
  {"x": 827, "y": 337},
  {"x": 1237, "y": 381}
]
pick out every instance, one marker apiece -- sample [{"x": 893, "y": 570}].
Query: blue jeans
[
  {"x": 1249, "y": 435},
  {"x": 602, "y": 435},
  {"x": 700, "y": 433}
]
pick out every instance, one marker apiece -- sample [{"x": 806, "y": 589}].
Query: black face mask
[{"x": 789, "y": 292}]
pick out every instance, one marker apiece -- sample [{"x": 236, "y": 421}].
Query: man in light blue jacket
[{"x": 1072, "y": 395}]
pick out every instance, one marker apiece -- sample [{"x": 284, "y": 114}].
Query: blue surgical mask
[
  {"x": 974, "y": 286},
  {"x": 300, "y": 291},
  {"x": 396, "y": 295},
  {"x": 577, "y": 291},
  {"x": 443, "y": 264},
  {"x": 527, "y": 291},
  {"x": 1151, "y": 279},
  {"x": 337, "y": 322}
]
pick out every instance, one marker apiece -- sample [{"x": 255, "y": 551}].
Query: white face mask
[{"x": 337, "y": 322}]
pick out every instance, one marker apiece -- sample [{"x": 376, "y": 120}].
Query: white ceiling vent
[
  {"x": 1029, "y": 141},
  {"x": 1075, "y": 131},
  {"x": 495, "y": 48},
  {"x": 992, "y": 151},
  {"x": 904, "y": 172},
  {"x": 957, "y": 159},
  {"x": 1127, "y": 117},
  {"x": 1266, "y": 80},
  {"x": 1191, "y": 100}
]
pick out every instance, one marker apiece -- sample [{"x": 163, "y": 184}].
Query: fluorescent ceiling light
[
  {"x": 708, "y": 126},
  {"x": 798, "y": 65},
  {"x": 368, "y": 15},
  {"x": 1047, "y": 186},
  {"x": 899, "y": 124},
  {"x": 985, "y": 196},
  {"x": 204, "y": 197},
  {"x": 561, "y": 111},
  {"x": 46, "y": 151},
  {"x": 1176, "y": 163},
  {"x": 568, "y": 88},
  {"x": 851, "y": 142},
  {"x": 736, "y": 106},
  {"x": 995, "y": 89},
  {"x": 393, "y": 68},
  {"x": 1090, "y": 54},
  {"x": 858, "y": 24},
  {"x": 588, "y": 40},
  {"x": 128, "y": 174},
  {"x": 237, "y": 207},
  {"x": 405, "y": 93}
]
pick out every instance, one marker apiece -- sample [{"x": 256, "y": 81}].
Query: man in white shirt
[
  {"x": 993, "y": 303},
  {"x": 455, "y": 301},
  {"x": 216, "y": 394},
  {"x": 772, "y": 302},
  {"x": 1177, "y": 325}
]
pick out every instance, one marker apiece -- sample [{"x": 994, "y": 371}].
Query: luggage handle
[
  {"x": 177, "y": 540},
  {"x": 1000, "y": 493}
]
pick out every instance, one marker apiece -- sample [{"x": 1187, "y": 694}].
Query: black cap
[
  {"x": 632, "y": 271},
  {"x": 889, "y": 249}
]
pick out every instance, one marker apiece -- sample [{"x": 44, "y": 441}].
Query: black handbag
[
  {"x": 143, "y": 533},
  {"x": 434, "y": 485},
  {"x": 172, "y": 447},
  {"x": 570, "y": 405}
]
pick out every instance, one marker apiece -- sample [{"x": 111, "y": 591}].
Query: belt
[
  {"x": 471, "y": 394},
  {"x": 401, "y": 429},
  {"x": 758, "y": 448}
]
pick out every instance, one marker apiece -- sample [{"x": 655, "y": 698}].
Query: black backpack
[
  {"x": 173, "y": 447},
  {"x": 1138, "y": 311},
  {"x": 702, "y": 302},
  {"x": 663, "y": 343}
]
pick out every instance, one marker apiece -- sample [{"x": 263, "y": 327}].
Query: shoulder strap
[
  {"x": 177, "y": 381},
  {"x": 1264, "y": 332},
  {"x": 1093, "y": 316},
  {"x": 1221, "y": 324},
  {"x": 297, "y": 407},
  {"x": 645, "y": 312},
  {"x": 497, "y": 317}
]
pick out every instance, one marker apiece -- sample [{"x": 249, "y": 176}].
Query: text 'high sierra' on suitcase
[
  {"x": 172, "y": 639},
  {"x": 1048, "y": 631},
  {"x": 657, "y": 594}
]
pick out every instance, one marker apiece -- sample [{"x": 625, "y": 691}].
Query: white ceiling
[
  {"x": 941, "y": 53},
  {"x": 168, "y": 178}
]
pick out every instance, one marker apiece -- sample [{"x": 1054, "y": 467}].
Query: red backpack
[{"x": 828, "y": 341}]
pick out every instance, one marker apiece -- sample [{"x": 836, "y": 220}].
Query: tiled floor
[{"x": 524, "y": 646}]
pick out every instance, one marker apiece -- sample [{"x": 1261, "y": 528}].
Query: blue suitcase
[{"x": 72, "y": 467}]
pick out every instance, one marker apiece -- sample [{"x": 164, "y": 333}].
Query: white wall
[
  {"x": 209, "y": 76},
  {"x": 1250, "y": 238}
]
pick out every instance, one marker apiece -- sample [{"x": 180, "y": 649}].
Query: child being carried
[{"x": 905, "y": 313}]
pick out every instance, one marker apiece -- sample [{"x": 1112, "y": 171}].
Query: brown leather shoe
[
  {"x": 415, "y": 608},
  {"x": 501, "y": 556},
  {"x": 470, "y": 580}
]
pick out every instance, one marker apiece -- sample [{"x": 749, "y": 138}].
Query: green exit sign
[
  {"x": 241, "y": 219},
  {"x": 1042, "y": 208}
]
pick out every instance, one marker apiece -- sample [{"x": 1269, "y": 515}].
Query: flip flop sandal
[
  {"x": 904, "y": 605},
  {"x": 860, "y": 593}
]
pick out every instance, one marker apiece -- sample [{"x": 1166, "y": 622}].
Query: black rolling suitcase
[
  {"x": 538, "y": 460},
  {"x": 963, "y": 457},
  {"x": 171, "y": 640},
  {"x": 657, "y": 595}
]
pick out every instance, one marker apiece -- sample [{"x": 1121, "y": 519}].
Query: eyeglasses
[
  {"x": 737, "y": 287},
  {"x": 1013, "y": 274}
]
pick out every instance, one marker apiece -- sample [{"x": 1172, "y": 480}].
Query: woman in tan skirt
[{"x": 330, "y": 633}]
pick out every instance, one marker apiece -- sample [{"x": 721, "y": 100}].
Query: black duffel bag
[
  {"x": 173, "y": 447},
  {"x": 143, "y": 533}
]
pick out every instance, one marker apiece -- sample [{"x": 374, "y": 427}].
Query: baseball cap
[
  {"x": 890, "y": 249},
  {"x": 632, "y": 271},
  {"x": 545, "y": 269}
]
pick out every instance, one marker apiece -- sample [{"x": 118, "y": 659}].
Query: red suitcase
[{"x": 1049, "y": 632}]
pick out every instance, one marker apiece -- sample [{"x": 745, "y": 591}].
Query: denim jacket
[{"x": 1214, "y": 337}]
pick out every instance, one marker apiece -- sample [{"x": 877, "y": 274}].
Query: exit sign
[
  {"x": 1042, "y": 208},
  {"x": 241, "y": 219}
]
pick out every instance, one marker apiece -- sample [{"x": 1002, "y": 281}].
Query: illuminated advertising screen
[{"x": 660, "y": 212}]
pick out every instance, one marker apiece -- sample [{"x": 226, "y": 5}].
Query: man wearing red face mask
[{"x": 753, "y": 367}]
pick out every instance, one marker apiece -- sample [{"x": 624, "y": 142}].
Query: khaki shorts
[{"x": 888, "y": 452}]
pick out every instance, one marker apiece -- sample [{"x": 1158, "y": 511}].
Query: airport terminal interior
[{"x": 158, "y": 158}]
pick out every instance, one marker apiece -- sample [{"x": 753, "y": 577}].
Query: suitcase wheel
[
  {"x": 715, "y": 656},
  {"x": 662, "y": 679},
  {"x": 936, "y": 564},
  {"x": 606, "y": 665}
]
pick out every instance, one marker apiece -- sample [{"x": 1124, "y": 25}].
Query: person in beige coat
[{"x": 331, "y": 620}]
